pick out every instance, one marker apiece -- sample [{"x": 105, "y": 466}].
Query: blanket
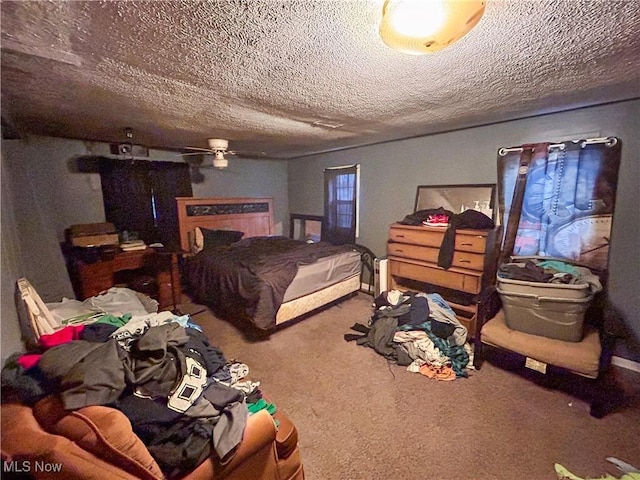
[{"x": 252, "y": 275}]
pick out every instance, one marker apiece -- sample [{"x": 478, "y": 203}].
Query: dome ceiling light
[{"x": 419, "y": 27}]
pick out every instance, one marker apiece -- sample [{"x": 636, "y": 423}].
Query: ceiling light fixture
[
  {"x": 418, "y": 27},
  {"x": 219, "y": 161}
]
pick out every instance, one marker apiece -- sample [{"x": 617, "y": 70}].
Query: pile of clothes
[
  {"x": 184, "y": 399},
  {"x": 542, "y": 270},
  {"x": 418, "y": 330}
]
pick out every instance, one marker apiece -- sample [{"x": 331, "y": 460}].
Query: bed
[{"x": 269, "y": 279}]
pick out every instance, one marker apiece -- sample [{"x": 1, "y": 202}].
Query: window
[
  {"x": 341, "y": 185},
  {"x": 139, "y": 196}
]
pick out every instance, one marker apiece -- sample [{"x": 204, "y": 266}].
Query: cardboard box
[
  {"x": 95, "y": 240},
  {"x": 84, "y": 229},
  {"x": 92, "y": 234}
]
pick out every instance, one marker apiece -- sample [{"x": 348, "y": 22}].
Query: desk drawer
[
  {"x": 127, "y": 261},
  {"x": 463, "y": 281}
]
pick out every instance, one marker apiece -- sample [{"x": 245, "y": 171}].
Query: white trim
[
  {"x": 625, "y": 363},
  {"x": 357, "y": 199},
  {"x": 341, "y": 167}
]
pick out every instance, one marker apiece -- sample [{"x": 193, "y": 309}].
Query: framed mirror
[{"x": 458, "y": 198}]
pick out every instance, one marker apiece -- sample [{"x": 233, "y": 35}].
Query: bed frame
[{"x": 254, "y": 216}]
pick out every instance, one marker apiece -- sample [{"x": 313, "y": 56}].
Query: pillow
[{"x": 206, "y": 239}]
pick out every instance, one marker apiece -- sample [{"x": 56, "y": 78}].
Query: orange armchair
[{"x": 97, "y": 442}]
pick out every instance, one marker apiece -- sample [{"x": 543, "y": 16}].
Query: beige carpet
[{"x": 361, "y": 418}]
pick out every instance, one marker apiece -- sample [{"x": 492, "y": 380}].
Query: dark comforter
[{"x": 252, "y": 275}]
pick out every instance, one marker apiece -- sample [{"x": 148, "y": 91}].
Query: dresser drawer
[
  {"x": 471, "y": 261},
  {"x": 470, "y": 243},
  {"x": 425, "y": 254},
  {"x": 464, "y": 281},
  {"x": 417, "y": 236},
  {"x": 465, "y": 240}
]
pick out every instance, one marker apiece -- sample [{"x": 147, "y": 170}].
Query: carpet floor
[{"x": 362, "y": 418}]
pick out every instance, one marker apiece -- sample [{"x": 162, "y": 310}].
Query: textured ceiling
[{"x": 261, "y": 73}]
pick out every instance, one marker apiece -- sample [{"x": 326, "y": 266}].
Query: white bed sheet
[{"x": 324, "y": 273}]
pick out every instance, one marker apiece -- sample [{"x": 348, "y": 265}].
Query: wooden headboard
[{"x": 253, "y": 216}]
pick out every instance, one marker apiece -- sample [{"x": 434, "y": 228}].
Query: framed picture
[{"x": 458, "y": 198}]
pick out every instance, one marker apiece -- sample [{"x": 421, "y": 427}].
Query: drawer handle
[
  {"x": 398, "y": 250},
  {"x": 465, "y": 261},
  {"x": 400, "y": 236},
  {"x": 466, "y": 244}
]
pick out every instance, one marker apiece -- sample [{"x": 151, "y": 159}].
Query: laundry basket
[
  {"x": 552, "y": 310},
  {"x": 38, "y": 319},
  {"x": 41, "y": 321}
]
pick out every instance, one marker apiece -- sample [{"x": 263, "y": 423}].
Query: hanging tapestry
[{"x": 569, "y": 198}]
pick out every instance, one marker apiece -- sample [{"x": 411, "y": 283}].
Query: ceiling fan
[{"x": 218, "y": 147}]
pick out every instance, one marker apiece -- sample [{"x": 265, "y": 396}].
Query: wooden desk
[{"x": 89, "y": 279}]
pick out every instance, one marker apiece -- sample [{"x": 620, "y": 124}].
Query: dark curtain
[
  {"x": 340, "y": 205},
  {"x": 139, "y": 196},
  {"x": 569, "y": 200}
]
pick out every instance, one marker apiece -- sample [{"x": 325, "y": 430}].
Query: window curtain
[
  {"x": 340, "y": 205},
  {"x": 139, "y": 196},
  {"x": 569, "y": 198}
]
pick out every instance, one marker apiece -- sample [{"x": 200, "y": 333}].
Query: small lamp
[{"x": 425, "y": 26}]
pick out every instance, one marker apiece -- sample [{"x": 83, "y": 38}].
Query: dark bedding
[{"x": 252, "y": 275}]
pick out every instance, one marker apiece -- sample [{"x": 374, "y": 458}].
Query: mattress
[{"x": 323, "y": 273}]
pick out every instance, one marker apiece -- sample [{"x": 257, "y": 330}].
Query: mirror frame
[{"x": 457, "y": 198}]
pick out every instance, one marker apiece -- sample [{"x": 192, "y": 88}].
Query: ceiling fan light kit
[
  {"x": 419, "y": 27},
  {"x": 219, "y": 161}
]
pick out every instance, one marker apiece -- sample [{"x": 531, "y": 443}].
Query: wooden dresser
[{"x": 413, "y": 265}]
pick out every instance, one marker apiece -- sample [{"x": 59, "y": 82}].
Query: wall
[
  {"x": 390, "y": 173},
  {"x": 42, "y": 194}
]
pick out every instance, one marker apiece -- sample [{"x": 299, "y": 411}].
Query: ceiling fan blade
[
  {"x": 254, "y": 155},
  {"x": 198, "y": 149},
  {"x": 205, "y": 152}
]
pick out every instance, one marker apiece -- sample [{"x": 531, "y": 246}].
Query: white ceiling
[{"x": 261, "y": 73}]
